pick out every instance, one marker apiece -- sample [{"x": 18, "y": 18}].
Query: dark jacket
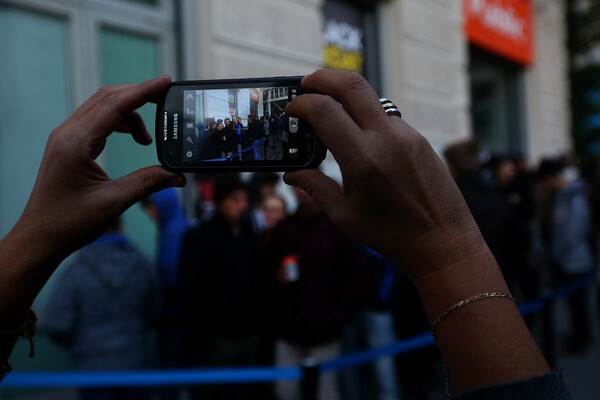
[
  {"x": 103, "y": 305},
  {"x": 221, "y": 281},
  {"x": 332, "y": 279}
]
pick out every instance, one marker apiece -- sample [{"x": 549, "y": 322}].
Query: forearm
[
  {"x": 27, "y": 259},
  {"x": 485, "y": 342},
  {"x": 22, "y": 275}
]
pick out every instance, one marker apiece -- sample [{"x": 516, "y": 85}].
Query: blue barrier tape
[
  {"x": 251, "y": 374},
  {"x": 233, "y": 156},
  {"x": 149, "y": 377},
  {"x": 366, "y": 356}
]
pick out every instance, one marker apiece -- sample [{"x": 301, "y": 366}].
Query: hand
[
  {"x": 73, "y": 199},
  {"x": 397, "y": 196}
]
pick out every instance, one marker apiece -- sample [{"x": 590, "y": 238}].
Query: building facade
[{"x": 507, "y": 87}]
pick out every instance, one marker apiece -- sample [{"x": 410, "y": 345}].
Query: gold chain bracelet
[
  {"x": 467, "y": 301},
  {"x": 457, "y": 306}
]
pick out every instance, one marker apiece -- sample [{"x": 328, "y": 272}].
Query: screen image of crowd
[
  {"x": 213, "y": 131},
  {"x": 248, "y": 282}
]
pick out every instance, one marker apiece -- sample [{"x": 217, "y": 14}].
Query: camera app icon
[{"x": 293, "y": 125}]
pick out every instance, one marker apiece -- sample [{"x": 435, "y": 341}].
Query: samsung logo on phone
[
  {"x": 175, "y": 125},
  {"x": 165, "y": 120}
]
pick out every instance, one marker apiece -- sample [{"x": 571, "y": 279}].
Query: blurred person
[
  {"x": 221, "y": 286},
  {"x": 397, "y": 199},
  {"x": 483, "y": 199},
  {"x": 373, "y": 326},
  {"x": 522, "y": 265},
  {"x": 166, "y": 210},
  {"x": 102, "y": 309},
  {"x": 566, "y": 221},
  {"x": 319, "y": 278},
  {"x": 274, "y": 209},
  {"x": 261, "y": 184}
]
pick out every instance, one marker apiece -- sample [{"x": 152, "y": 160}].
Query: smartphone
[{"x": 234, "y": 125}]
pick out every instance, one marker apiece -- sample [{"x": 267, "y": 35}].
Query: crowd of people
[
  {"x": 540, "y": 223},
  {"x": 249, "y": 284},
  {"x": 261, "y": 138}
]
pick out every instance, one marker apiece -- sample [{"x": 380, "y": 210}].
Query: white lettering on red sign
[{"x": 500, "y": 18}]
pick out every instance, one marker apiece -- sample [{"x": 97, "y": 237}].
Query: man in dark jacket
[
  {"x": 320, "y": 279},
  {"x": 221, "y": 290}
]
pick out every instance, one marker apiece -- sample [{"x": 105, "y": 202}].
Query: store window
[
  {"x": 57, "y": 53},
  {"x": 497, "y": 102},
  {"x": 61, "y": 51},
  {"x": 35, "y": 96}
]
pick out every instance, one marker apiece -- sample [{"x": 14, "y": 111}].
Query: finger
[
  {"x": 106, "y": 115},
  {"x": 324, "y": 190},
  {"x": 134, "y": 124},
  {"x": 331, "y": 122},
  {"x": 96, "y": 98},
  {"x": 138, "y": 185},
  {"x": 352, "y": 90}
]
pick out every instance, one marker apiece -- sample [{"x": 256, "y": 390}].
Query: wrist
[{"x": 471, "y": 271}]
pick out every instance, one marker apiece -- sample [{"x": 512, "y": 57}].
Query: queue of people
[
  {"x": 252, "y": 285},
  {"x": 397, "y": 198},
  {"x": 539, "y": 224},
  {"x": 267, "y": 137}
]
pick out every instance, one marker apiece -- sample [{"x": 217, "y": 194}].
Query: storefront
[
  {"x": 500, "y": 37},
  {"x": 350, "y": 38}
]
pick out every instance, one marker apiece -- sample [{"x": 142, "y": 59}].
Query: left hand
[{"x": 73, "y": 199}]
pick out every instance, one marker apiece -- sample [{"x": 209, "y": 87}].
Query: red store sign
[{"x": 504, "y": 27}]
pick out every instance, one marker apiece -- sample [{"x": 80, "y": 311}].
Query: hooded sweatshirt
[{"x": 103, "y": 305}]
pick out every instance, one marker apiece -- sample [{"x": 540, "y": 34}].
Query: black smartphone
[{"x": 234, "y": 125}]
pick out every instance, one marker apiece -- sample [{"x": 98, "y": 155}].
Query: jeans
[{"x": 377, "y": 380}]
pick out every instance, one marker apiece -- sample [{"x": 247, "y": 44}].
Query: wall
[
  {"x": 547, "y": 84},
  {"x": 258, "y": 38},
  {"x": 427, "y": 67}
]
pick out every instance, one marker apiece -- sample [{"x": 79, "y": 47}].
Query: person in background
[
  {"x": 485, "y": 203},
  {"x": 255, "y": 136},
  {"x": 373, "y": 326},
  {"x": 101, "y": 310},
  {"x": 567, "y": 231},
  {"x": 221, "y": 287},
  {"x": 165, "y": 209},
  {"x": 274, "y": 209},
  {"x": 319, "y": 275},
  {"x": 522, "y": 265},
  {"x": 261, "y": 185}
]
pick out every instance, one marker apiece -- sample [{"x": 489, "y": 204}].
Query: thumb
[
  {"x": 143, "y": 182},
  {"x": 324, "y": 190}
]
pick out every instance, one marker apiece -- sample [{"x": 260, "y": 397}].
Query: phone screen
[{"x": 234, "y": 125}]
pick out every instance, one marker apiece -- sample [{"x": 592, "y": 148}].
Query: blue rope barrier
[
  {"x": 149, "y": 377},
  {"x": 250, "y": 374}
]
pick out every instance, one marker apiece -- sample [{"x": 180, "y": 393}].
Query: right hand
[{"x": 398, "y": 197}]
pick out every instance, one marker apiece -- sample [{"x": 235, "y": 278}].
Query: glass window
[
  {"x": 125, "y": 58},
  {"x": 35, "y": 98},
  {"x": 496, "y": 103}
]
